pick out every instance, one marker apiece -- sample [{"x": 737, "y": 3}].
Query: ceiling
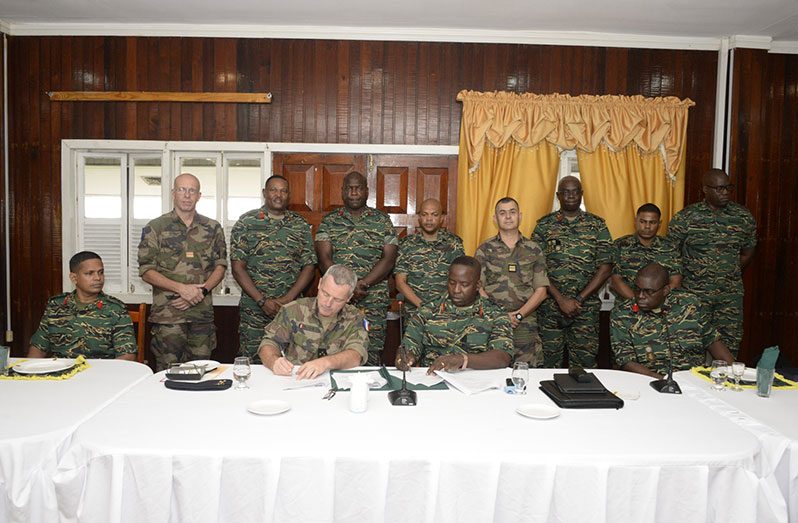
[{"x": 774, "y": 19}]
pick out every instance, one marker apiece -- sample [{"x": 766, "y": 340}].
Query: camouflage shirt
[
  {"x": 710, "y": 243},
  {"x": 511, "y": 276},
  {"x": 643, "y": 337},
  {"x": 630, "y": 256},
  {"x": 357, "y": 242},
  {"x": 574, "y": 249},
  {"x": 275, "y": 251},
  {"x": 426, "y": 263},
  {"x": 299, "y": 333},
  {"x": 182, "y": 254},
  {"x": 440, "y": 328},
  {"x": 69, "y": 328}
]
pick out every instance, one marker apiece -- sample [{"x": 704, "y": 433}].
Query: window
[{"x": 569, "y": 166}]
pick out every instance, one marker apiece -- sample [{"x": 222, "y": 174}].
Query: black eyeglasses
[
  {"x": 648, "y": 292},
  {"x": 721, "y": 188}
]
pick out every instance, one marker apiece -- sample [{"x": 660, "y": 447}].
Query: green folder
[{"x": 393, "y": 383}]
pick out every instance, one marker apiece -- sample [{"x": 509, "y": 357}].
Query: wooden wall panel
[{"x": 324, "y": 91}]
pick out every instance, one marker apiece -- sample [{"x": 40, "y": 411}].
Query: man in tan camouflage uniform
[
  {"x": 85, "y": 321},
  {"x": 273, "y": 260},
  {"x": 459, "y": 330},
  {"x": 662, "y": 320},
  {"x": 716, "y": 238},
  {"x": 363, "y": 239},
  {"x": 424, "y": 257},
  {"x": 319, "y": 334},
  {"x": 183, "y": 256},
  {"x": 634, "y": 251},
  {"x": 514, "y": 277},
  {"x": 578, "y": 251}
]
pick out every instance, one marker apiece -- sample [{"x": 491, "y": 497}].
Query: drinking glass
[
  {"x": 718, "y": 374},
  {"x": 520, "y": 376},
  {"x": 738, "y": 368},
  {"x": 241, "y": 372}
]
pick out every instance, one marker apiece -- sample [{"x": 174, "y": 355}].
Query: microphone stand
[
  {"x": 667, "y": 385},
  {"x": 402, "y": 397}
]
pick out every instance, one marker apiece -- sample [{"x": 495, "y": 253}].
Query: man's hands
[
  {"x": 448, "y": 362},
  {"x": 272, "y": 306},
  {"x": 189, "y": 295},
  {"x": 282, "y": 367},
  {"x": 361, "y": 291},
  {"x": 404, "y": 360},
  {"x": 569, "y": 307},
  {"x": 307, "y": 371}
]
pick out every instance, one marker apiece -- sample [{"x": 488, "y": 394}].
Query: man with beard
[
  {"x": 364, "y": 240},
  {"x": 578, "y": 251},
  {"x": 86, "y": 321},
  {"x": 424, "y": 258},
  {"x": 716, "y": 238},
  {"x": 273, "y": 260}
]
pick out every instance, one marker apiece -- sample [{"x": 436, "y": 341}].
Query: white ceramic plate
[
  {"x": 538, "y": 411},
  {"x": 268, "y": 407},
  {"x": 44, "y": 366},
  {"x": 209, "y": 364},
  {"x": 749, "y": 374}
]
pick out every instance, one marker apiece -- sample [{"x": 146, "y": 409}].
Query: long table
[
  {"x": 156, "y": 454},
  {"x": 773, "y": 420},
  {"x": 37, "y": 420}
]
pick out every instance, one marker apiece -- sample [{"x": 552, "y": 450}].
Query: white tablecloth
[
  {"x": 162, "y": 455},
  {"x": 37, "y": 419},
  {"x": 773, "y": 420}
]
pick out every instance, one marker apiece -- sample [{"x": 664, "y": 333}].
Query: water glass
[
  {"x": 241, "y": 372},
  {"x": 520, "y": 376},
  {"x": 738, "y": 368},
  {"x": 720, "y": 369}
]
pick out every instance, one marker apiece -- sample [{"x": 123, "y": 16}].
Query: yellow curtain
[
  {"x": 528, "y": 174},
  {"x": 617, "y": 183}
]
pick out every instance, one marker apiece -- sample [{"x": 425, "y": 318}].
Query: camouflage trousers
[
  {"x": 376, "y": 316},
  {"x": 181, "y": 342},
  {"x": 578, "y": 336},
  {"x": 527, "y": 343},
  {"x": 725, "y": 313},
  {"x": 250, "y": 331}
]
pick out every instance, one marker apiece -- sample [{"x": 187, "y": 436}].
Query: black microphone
[
  {"x": 402, "y": 397},
  {"x": 667, "y": 385}
]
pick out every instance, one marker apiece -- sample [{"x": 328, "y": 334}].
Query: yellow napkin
[
  {"x": 779, "y": 381},
  {"x": 80, "y": 365}
]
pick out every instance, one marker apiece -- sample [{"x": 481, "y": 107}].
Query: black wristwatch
[
  {"x": 519, "y": 316},
  {"x": 205, "y": 291},
  {"x": 579, "y": 299},
  {"x": 261, "y": 301}
]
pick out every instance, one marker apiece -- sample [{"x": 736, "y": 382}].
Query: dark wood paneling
[
  {"x": 324, "y": 91},
  {"x": 763, "y": 164}
]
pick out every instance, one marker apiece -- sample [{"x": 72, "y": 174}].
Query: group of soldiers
[{"x": 534, "y": 299}]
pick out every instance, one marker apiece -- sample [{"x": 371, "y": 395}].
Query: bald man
[
  {"x": 716, "y": 239},
  {"x": 424, "y": 257},
  {"x": 182, "y": 254}
]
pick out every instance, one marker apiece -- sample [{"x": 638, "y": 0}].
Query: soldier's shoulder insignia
[{"x": 366, "y": 325}]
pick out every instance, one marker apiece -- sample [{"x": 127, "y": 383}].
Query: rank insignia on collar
[{"x": 261, "y": 215}]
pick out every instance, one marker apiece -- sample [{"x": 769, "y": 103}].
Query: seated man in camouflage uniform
[
  {"x": 662, "y": 320},
  {"x": 85, "y": 321},
  {"x": 460, "y": 330},
  {"x": 514, "y": 277},
  {"x": 424, "y": 258},
  {"x": 319, "y": 334}
]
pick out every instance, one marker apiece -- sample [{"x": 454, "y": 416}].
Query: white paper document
[
  {"x": 418, "y": 376},
  {"x": 474, "y": 381},
  {"x": 291, "y": 383}
]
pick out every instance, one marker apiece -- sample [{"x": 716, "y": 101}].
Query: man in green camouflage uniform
[
  {"x": 578, "y": 251},
  {"x": 85, "y": 321},
  {"x": 635, "y": 251},
  {"x": 273, "y": 260},
  {"x": 716, "y": 239},
  {"x": 363, "y": 239},
  {"x": 459, "y": 330},
  {"x": 514, "y": 277},
  {"x": 424, "y": 258},
  {"x": 183, "y": 256},
  {"x": 662, "y": 320},
  {"x": 318, "y": 334}
]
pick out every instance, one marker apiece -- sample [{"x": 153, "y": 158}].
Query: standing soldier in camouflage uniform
[
  {"x": 273, "y": 260},
  {"x": 85, "y": 321},
  {"x": 319, "y": 334},
  {"x": 459, "y": 330},
  {"x": 578, "y": 251},
  {"x": 716, "y": 239},
  {"x": 635, "y": 251},
  {"x": 183, "y": 256},
  {"x": 363, "y": 239},
  {"x": 424, "y": 257},
  {"x": 514, "y": 277},
  {"x": 662, "y": 321}
]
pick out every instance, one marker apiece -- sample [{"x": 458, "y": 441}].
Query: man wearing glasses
[
  {"x": 183, "y": 256},
  {"x": 662, "y": 325},
  {"x": 716, "y": 238}
]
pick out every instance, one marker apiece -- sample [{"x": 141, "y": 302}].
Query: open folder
[{"x": 393, "y": 382}]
